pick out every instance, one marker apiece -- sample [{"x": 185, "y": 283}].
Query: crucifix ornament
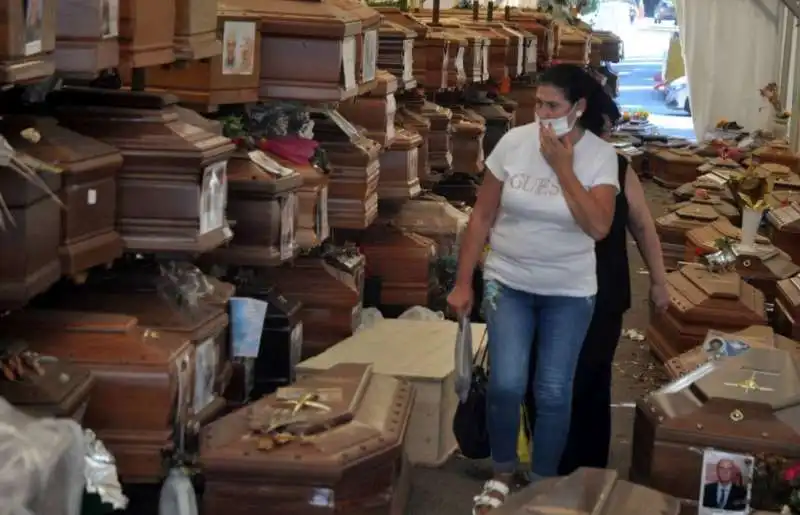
[{"x": 750, "y": 384}]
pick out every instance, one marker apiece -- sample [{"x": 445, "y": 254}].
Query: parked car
[
  {"x": 665, "y": 12},
  {"x": 678, "y": 94}
]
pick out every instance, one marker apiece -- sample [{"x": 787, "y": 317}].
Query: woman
[
  {"x": 547, "y": 195},
  {"x": 590, "y": 430}
]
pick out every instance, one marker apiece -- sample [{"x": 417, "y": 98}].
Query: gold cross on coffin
[
  {"x": 750, "y": 385},
  {"x": 282, "y": 417}
]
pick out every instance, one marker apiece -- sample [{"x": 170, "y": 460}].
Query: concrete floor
[{"x": 449, "y": 490}]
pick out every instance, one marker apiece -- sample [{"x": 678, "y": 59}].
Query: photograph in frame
[
  {"x": 725, "y": 483},
  {"x": 238, "y": 48},
  {"x": 33, "y": 14},
  {"x": 109, "y": 12}
]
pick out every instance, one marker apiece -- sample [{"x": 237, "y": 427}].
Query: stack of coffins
[
  {"x": 313, "y": 444},
  {"x": 366, "y": 41},
  {"x": 497, "y": 121},
  {"x": 172, "y": 191},
  {"x": 719, "y": 345},
  {"x": 469, "y": 129},
  {"x": 354, "y": 163},
  {"x": 375, "y": 111},
  {"x": 396, "y": 52},
  {"x": 431, "y": 53},
  {"x": 400, "y": 168},
  {"x": 230, "y": 78},
  {"x": 596, "y": 491},
  {"x": 777, "y": 152},
  {"x": 422, "y": 353},
  {"x": 741, "y": 404},
  {"x": 415, "y": 122},
  {"x": 761, "y": 265},
  {"x": 458, "y": 44},
  {"x": 86, "y": 37},
  {"x": 496, "y": 59},
  {"x": 440, "y": 156},
  {"x": 542, "y": 26},
  {"x": 152, "y": 371},
  {"x": 783, "y": 226},
  {"x": 701, "y": 300},
  {"x": 195, "y": 34},
  {"x": 575, "y": 46},
  {"x": 672, "y": 167},
  {"x": 476, "y": 51},
  {"x": 787, "y": 307},
  {"x": 685, "y": 216},
  {"x": 30, "y": 39},
  {"x": 330, "y": 288}
]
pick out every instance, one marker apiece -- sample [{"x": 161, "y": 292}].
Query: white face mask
[{"x": 561, "y": 126}]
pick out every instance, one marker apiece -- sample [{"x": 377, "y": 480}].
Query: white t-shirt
[{"x": 536, "y": 244}]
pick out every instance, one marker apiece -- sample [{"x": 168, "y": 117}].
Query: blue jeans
[{"x": 560, "y": 324}]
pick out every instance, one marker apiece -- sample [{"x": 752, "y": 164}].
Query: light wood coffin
[
  {"x": 672, "y": 167},
  {"x": 146, "y": 33},
  {"x": 196, "y": 33},
  {"x": 28, "y": 40},
  {"x": 396, "y": 52},
  {"x": 375, "y": 111},
  {"x": 783, "y": 228}
]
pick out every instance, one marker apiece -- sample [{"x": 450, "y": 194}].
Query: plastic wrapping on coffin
[
  {"x": 355, "y": 170},
  {"x": 86, "y": 33},
  {"x": 43, "y": 386},
  {"x": 673, "y": 226},
  {"x": 396, "y": 52},
  {"x": 151, "y": 371},
  {"x": 26, "y": 51},
  {"x": 220, "y": 80},
  {"x": 743, "y": 404},
  {"x": 309, "y": 51},
  {"x": 264, "y": 208},
  {"x": 146, "y": 33},
  {"x": 673, "y": 167},
  {"x": 469, "y": 130},
  {"x": 399, "y": 167},
  {"x": 413, "y": 121},
  {"x": 29, "y": 261},
  {"x": 89, "y": 189},
  {"x": 348, "y": 458},
  {"x": 701, "y": 300},
  {"x": 172, "y": 187},
  {"x": 440, "y": 156},
  {"x": 331, "y": 293},
  {"x": 783, "y": 226},
  {"x": 375, "y": 111},
  {"x": 196, "y": 30}
]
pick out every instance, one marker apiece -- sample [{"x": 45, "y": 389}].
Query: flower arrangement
[
  {"x": 772, "y": 95},
  {"x": 635, "y": 115}
]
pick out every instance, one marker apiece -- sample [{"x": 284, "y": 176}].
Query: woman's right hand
[{"x": 460, "y": 299}]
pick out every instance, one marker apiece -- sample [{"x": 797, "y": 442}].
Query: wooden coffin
[
  {"x": 440, "y": 155},
  {"x": 610, "y": 46},
  {"x": 312, "y": 215},
  {"x": 26, "y": 50},
  {"x": 672, "y": 167},
  {"x": 399, "y": 179},
  {"x": 524, "y": 94},
  {"x": 542, "y": 26},
  {"x": 595, "y": 491},
  {"x": 433, "y": 217},
  {"x": 43, "y": 386},
  {"x": 778, "y": 153},
  {"x": 229, "y": 78},
  {"x": 459, "y": 44},
  {"x": 89, "y": 189},
  {"x": 475, "y": 68},
  {"x": 330, "y": 290},
  {"x": 150, "y": 371},
  {"x": 86, "y": 36},
  {"x": 420, "y": 352},
  {"x": 172, "y": 186},
  {"x": 575, "y": 46},
  {"x": 782, "y": 198},
  {"x": 495, "y": 53},
  {"x": 699, "y": 301},
  {"x": 742, "y": 404},
  {"x": 790, "y": 182},
  {"x": 431, "y": 52},
  {"x": 458, "y": 188},
  {"x": 497, "y": 122},
  {"x": 320, "y": 454},
  {"x": 762, "y": 266},
  {"x": 322, "y": 36},
  {"x": 469, "y": 129},
  {"x": 204, "y": 325},
  {"x": 195, "y": 34},
  {"x": 713, "y": 182},
  {"x": 786, "y": 316},
  {"x": 146, "y": 33},
  {"x": 375, "y": 111},
  {"x": 396, "y": 53},
  {"x": 673, "y": 226},
  {"x": 29, "y": 260},
  {"x": 264, "y": 208},
  {"x": 515, "y": 56},
  {"x": 355, "y": 170},
  {"x": 783, "y": 227},
  {"x": 761, "y": 336},
  {"x": 415, "y": 122}
]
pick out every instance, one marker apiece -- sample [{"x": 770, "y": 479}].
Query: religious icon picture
[
  {"x": 725, "y": 485},
  {"x": 109, "y": 12},
  {"x": 238, "y": 48},
  {"x": 32, "y": 11},
  {"x": 205, "y": 374},
  {"x": 726, "y": 347}
]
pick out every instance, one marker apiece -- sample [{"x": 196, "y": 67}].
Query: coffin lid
[
  {"x": 404, "y": 19},
  {"x": 696, "y": 211},
  {"x": 588, "y": 492},
  {"x": 713, "y": 285},
  {"x": 300, "y": 18},
  {"x": 245, "y": 175},
  {"x": 681, "y": 155},
  {"x": 774, "y": 149},
  {"x": 368, "y": 16},
  {"x": 390, "y": 29},
  {"x": 368, "y": 415}
]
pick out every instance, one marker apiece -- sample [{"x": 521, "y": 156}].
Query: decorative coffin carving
[
  {"x": 672, "y": 167},
  {"x": 672, "y": 229},
  {"x": 353, "y": 429},
  {"x": 148, "y": 370},
  {"x": 399, "y": 167},
  {"x": 431, "y": 52},
  {"x": 172, "y": 185},
  {"x": 699, "y": 301},
  {"x": 330, "y": 290},
  {"x": 440, "y": 156},
  {"x": 26, "y": 50},
  {"x": 742, "y": 404},
  {"x": 89, "y": 189},
  {"x": 87, "y": 32},
  {"x": 146, "y": 33},
  {"x": 43, "y": 386},
  {"x": 417, "y": 123},
  {"x": 375, "y": 111},
  {"x": 468, "y": 133},
  {"x": 29, "y": 262},
  {"x": 196, "y": 34},
  {"x": 787, "y": 307},
  {"x": 783, "y": 228},
  {"x": 396, "y": 52},
  {"x": 595, "y": 491},
  {"x": 230, "y": 78},
  {"x": 263, "y": 205},
  {"x": 355, "y": 170}
]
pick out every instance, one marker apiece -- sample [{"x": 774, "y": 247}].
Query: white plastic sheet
[
  {"x": 731, "y": 49},
  {"x": 463, "y": 364}
]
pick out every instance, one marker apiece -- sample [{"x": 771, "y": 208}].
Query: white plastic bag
[
  {"x": 421, "y": 313},
  {"x": 177, "y": 494},
  {"x": 463, "y": 363}
]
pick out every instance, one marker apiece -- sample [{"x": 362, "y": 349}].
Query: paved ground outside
[{"x": 449, "y": 490}]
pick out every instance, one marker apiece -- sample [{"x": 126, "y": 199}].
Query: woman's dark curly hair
[{"x": 576, "y": 84}]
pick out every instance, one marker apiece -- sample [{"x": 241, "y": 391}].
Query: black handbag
[{"x": 469, "y": 421}]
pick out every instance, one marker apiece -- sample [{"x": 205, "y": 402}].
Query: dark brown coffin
[
  {"x": 347, "y": 460},
  {"x": 786, "y": 316},
  {"x": 172, "y": 185},
  {"x": 783, "y": 229},
  {"x": 673, "y": 167}
]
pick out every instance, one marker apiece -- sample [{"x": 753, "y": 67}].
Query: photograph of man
[{"x": 727, "y": 492}]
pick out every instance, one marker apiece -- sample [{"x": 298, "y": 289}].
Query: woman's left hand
[{"x": 558, "y": 153}]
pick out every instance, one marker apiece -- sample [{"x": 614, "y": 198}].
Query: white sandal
[{"x": 490, "y": 496}]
